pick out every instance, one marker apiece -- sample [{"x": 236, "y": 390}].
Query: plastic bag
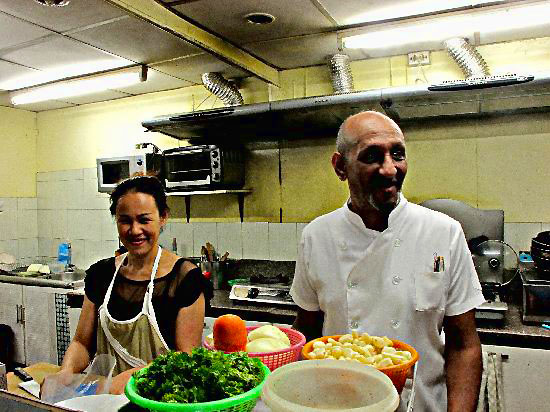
[{"x": 96, "y": 381}]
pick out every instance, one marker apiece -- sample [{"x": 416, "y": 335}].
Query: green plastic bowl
[{"x": 244, "y": 402}]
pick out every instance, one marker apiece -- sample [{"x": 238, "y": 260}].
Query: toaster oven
[{"x": 203, "y": 167}]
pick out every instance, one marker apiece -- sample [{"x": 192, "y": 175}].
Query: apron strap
[{"x": 147, "y": 309}]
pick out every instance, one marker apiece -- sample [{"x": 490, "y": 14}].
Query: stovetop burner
[{"x": 270, "y": 280}]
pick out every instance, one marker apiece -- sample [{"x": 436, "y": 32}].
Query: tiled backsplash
[{"x": 69, "y": 207}]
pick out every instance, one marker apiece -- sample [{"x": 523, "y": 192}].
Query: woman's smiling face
[{"x": 138, "y": 222}]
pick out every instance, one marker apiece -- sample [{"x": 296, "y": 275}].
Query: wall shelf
[{"x": 241, "y": 193}]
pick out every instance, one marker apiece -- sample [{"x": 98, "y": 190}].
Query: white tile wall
[
  {"x": 26, "y": 203},
  {"x": 184, "y": 234},
  {"x": 27, "y": 225},
  {"x": 58, "y": 224},
  {"x": 27, "y": 250},
  {"x": 255, "y": 240},
  {"x": 8, "y": 219},
  {"x": 202, "y": 233},
  {"x": 75, "y": 224},
  {"x": 230, "y": 239},
  {"x": 89, "y": 173},
  {"x": 47, "y": 247},
  {"x": 519, "y": 235},
  {"x": 69, "y": 207},
  {"x": 78, "y": 253},
  {"x": 91, "y": 224},
  {"x": 282, "y": 241},
  {"x": 95, "y": 250},
  {"x": 73, "y": 191},
  {"x": 108, "y": 227},
  {"x": 11, "y": 247}
]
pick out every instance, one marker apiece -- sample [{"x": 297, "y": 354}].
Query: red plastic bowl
[{"x": 273, "y": 360}]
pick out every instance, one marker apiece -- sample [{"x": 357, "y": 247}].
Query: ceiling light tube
[
  {"x": 80, "y": 86},
  {"x": 459, "y": 25}
]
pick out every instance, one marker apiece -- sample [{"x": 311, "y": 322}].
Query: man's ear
[{"x": 339, "y": 165}]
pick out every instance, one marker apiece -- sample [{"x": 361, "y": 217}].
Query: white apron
[{"x": 134, "y": 342}]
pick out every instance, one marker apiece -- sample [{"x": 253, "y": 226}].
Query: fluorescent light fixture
[
  {"x": 35, "y": 77},
  {"x": 411, "y": 8},
  {"x": 80, "y": 86},
  {"x": 459, "y": 25}
]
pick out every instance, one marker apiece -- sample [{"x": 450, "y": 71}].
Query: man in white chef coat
[{"x": 382, "y": 265}]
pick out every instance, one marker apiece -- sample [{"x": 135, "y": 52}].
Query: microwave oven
[
  {"x": 203, "y": 167},
  {"x": 112, "y": 170}
]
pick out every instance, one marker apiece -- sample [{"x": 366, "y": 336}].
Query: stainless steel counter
[{"x": 65, "y": 280}]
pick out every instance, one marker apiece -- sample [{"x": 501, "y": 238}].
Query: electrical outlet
[{"x": 419, "y": 58}]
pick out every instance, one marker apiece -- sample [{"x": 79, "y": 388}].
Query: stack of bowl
[{"x": 540, "y": 251}]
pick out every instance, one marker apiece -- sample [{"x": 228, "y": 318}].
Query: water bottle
[{"x": 64, "y": 254}]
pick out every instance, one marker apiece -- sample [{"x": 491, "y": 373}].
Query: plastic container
[
  {"x": 273, "y": 360},
  {"x": 329, "y": 385},
  {"x": 64, "y": 253},
  {"x": 244, "y": 402},
  {"x": 397, "y": 373}
]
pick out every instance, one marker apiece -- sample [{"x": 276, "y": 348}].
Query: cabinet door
[
  {"x": 11, "y": 300},
  {"x": 524, "y": 375},
  {"x": 40, "y": 332}
]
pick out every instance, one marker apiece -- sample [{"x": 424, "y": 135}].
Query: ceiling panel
[
  {"x": 41, "y": 106},
  {"x": 190, "y": 68},
  {"x": 10, "y": 74},
  {"x": 293, "y": 18},
  {"x": 296, "y": 52},
  {"x": 136, "y": 40},
  {"x": 97, "y": 97},
  {"x": 61, "y": 51},
  {"x": 156, "y": 81},
  {"x": 78, "y": 13},
  {"x": 15, "y": 31}
]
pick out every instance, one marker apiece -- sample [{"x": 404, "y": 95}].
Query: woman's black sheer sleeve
[{"x": 191, "y": 288}]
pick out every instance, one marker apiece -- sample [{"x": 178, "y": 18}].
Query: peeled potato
[
  {"x": 266, "y": 345},
  {"x": 269, "y": 331}
]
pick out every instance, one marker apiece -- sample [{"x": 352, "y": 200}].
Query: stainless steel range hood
[{"x": 321, "y": 116}]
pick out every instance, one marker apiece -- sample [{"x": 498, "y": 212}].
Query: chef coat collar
[{"x": 393, "y": 220}]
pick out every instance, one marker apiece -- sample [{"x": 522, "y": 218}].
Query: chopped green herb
[{"x": 203, "y": 376}]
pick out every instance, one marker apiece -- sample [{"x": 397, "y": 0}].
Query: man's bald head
[{"x": 359, "y": 124}]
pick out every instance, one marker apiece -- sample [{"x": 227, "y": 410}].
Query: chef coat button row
[
  {"x": 351, "y": 284},
  {"x": 395, "y": 280},
  {"x": 397, "y": 242},
  {"x": 354, "y": 324},
  {"x": 394, "y": 323}
]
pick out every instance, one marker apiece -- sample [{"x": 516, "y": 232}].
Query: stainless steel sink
[{"x": 67, "y": 276}]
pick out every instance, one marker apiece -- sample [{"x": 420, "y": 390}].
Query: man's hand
[
  {"x": 463, "y": 363},
  {"x": 309, "y": 323}
]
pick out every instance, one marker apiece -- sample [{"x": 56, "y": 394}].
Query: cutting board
[{"x": 38, "y": 371}]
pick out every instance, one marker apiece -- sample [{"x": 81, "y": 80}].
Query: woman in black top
[{"x": 143, "y": 303}]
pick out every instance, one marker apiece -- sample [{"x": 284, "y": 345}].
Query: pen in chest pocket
[{"x": 439, "y": 263}]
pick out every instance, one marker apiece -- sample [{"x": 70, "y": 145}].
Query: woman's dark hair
[{"x": 141, "y": 184}]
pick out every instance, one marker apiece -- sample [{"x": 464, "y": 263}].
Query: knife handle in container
[{"x": 21, "y": 374}]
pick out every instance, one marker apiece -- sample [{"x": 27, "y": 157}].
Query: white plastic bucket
[{"x": 329, "y": 385}]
